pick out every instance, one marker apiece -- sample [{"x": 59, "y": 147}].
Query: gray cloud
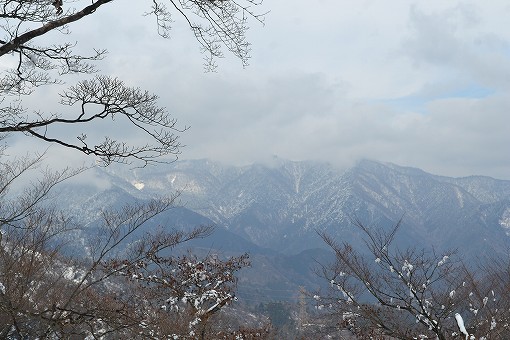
[{"x": 456, "y": 43}]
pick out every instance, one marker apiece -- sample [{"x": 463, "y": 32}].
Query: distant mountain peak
[{"x": 280, "y": 205}]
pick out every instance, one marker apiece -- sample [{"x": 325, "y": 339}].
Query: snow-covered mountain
[
  {"x": 280, "y": 206},
  {"x": 274, "y": 211}
]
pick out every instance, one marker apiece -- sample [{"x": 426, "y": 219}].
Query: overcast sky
[{"x": 417, "y": 83}]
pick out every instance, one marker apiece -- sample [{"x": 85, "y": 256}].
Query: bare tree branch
[{"x": 413, "y": 292}]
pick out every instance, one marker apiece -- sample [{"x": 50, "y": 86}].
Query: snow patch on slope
[
  {"x": 504, "y": 222},
  {"x": 138, "y": 185},
  {"x": 460, "y": 197}
]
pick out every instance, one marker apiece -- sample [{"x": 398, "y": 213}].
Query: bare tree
[
  {"x": 44, "y": 294},
  {"x": 412, "y": 293},
  {"x": 185, "y": 288},
  {"x": 487, "y": 305},
  {"x": 216, "y": 24}
]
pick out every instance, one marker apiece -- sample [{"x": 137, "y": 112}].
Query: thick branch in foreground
[
  {"x": 216, "y": 25},
  {"x": 34, "y": 62},
  {"x": 19, "y": 41}
]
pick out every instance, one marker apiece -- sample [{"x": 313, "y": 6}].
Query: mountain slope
[
  {"x": 274, "y": 212},
  {"x": 280, "y": 206}
]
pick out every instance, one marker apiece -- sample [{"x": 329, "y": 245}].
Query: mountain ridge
[
  {"x": 274, "y": 211},
  {"x": 280, "y": 206}
]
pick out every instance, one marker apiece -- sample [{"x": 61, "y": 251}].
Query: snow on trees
[
  {"x": 415, "y": 293},
  {"x": 44, "y": 294},
  {"x": 185, "y": 287}
]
